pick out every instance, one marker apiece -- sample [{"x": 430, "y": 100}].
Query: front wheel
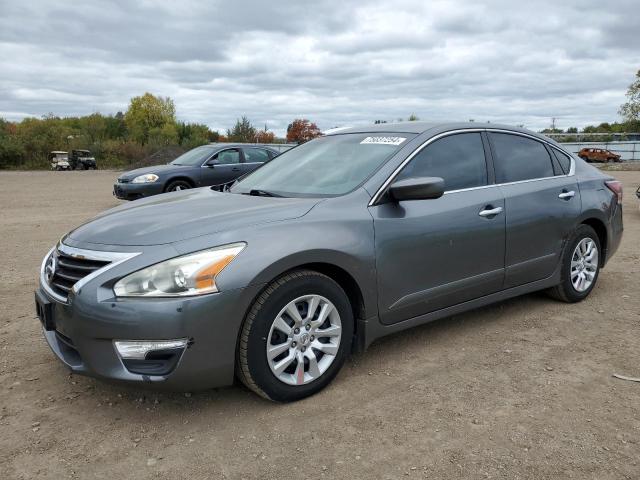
[
  {"x": 296, "y": 337},
  {"x": 580, "y": 266},
  {"x": 177, "y": 185}
]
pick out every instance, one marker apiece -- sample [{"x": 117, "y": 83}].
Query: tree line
[
  {"x": 150, "y": 125},
  {"x": 124, "y": 139}
]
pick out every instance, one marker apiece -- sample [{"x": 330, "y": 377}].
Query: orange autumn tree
[
  {"x": 302, "y": 130},
  {"x": 263, "y": 136}
]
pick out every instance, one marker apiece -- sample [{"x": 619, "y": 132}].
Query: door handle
[
  {"x": 567, "y": 195},
  {"x": 235, "y": 169},
  {"x": 490, "y": 212}
]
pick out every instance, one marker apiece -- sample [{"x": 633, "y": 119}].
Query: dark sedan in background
[{"x": 217, "y": 164}]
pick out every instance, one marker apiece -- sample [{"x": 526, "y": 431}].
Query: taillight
[{"x": 616, "y": 187}]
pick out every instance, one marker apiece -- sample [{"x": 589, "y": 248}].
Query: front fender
[{"x": 337, "y": 232}]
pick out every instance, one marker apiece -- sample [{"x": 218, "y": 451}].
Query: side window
[
  {"x": 563, "y": 159},
  {"x": 256, "y": 155},
  {"x": 226, "y": 157},
  {"x": 519, "y": 158},
  {"x": 458, "y": 159}
]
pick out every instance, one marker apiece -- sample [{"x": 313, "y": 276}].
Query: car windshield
[
  {"x": 194, "y": 157},
  {"x": 327, "y": 166}
]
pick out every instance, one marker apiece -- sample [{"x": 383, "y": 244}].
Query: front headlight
[
  {"x": 148, "y": 178},
  {"x": 193, "y": 274}
]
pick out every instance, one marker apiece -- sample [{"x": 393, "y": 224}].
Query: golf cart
[
  {"x": 82, "y": 159},
  {"x": 59, "y": 160}
]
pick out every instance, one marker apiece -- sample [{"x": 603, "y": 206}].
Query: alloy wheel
[
  {"x": 584, "y": 264},
  {"x": 304, "y": 340}
]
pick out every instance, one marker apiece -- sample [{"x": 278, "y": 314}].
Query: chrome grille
[{"x": 70, "y": 269}]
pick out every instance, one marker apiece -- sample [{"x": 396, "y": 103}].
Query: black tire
[
  {"x": 565, "y": 291},
  {"x": 252, "y": 365},
  {"x": 177, "y": 185}
]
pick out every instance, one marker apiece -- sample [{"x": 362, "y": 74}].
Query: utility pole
[{"x": 553, "y": 124}]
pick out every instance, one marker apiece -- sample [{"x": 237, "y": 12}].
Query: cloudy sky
[{"x": 334, "y": 62}]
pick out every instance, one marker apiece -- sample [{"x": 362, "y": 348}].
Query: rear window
[
  {"x": 563, "y": 159},
  {"x": 256, "y": 155},
  {"x": 519, "y": 158}
]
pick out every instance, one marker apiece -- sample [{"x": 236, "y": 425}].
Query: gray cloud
[{"x": 334, "y": 62}]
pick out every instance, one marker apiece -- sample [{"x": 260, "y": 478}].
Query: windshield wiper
[{"x": 262, "y": 193}]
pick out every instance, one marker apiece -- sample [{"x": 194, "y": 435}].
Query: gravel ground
[{"x": 521, "y": 389}]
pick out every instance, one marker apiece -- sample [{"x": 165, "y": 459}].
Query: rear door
[
  {"x": 431, "y": 254},
  {"x": 254, "y": 157},
  {"x": 541, "y": 205}
]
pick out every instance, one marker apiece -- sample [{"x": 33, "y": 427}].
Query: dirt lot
[{"x": 522, "y": 389}]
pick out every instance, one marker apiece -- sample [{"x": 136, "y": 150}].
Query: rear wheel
[
  {"x": 580, "y": 266},
  {"x": 177, "y": 185},
  {"x": 296, "y": 337}
]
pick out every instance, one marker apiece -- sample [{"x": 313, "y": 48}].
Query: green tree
[
  {"x": 116, "y": 127},
  {"x": 11, "y": 150},
  {"x": 95, "y": 126},
  {"x": 164, "y": 136},
  {"x": 631, "y": 109},
  {"x": 242, "y": 131},
  {"x": 147, "y": 113},
  {"x": 191, "y": 135},
  {"x": 413, "y": 118}
]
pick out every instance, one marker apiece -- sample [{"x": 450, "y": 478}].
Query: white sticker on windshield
[{"x": 383, "y": 140}]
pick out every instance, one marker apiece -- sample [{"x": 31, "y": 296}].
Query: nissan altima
[{"x": 329, "y": 246}]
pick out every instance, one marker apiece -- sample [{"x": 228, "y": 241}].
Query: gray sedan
[
  {"x": 331, "y": 245},
  {"x": 216, "y": 164}
]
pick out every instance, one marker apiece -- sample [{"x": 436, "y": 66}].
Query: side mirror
[
  {"x": 212, "y": 163},
  {"x": 419, "y": 188}
]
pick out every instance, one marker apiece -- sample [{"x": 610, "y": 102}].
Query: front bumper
[
  {"x": 82, "y": 331},
  {"x": 132, "y": 191}
]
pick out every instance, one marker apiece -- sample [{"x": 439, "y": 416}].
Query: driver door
[
  {"x": 435, "y": 253},
  {"x": 222, "y": 168}
]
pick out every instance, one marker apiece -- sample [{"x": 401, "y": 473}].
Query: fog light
[{"x": 138, "y": 349}]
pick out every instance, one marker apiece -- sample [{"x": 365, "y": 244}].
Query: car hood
[
  {"x": 157, "y": 169},
  {"x": 177, "y": 216}
]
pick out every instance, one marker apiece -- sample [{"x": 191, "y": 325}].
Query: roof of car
[
  {"x": 421, "y": 127},
  {"x": 228, "y": 145}
]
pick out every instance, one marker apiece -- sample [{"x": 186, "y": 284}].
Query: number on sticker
[{"x": 383, "y": 140}]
